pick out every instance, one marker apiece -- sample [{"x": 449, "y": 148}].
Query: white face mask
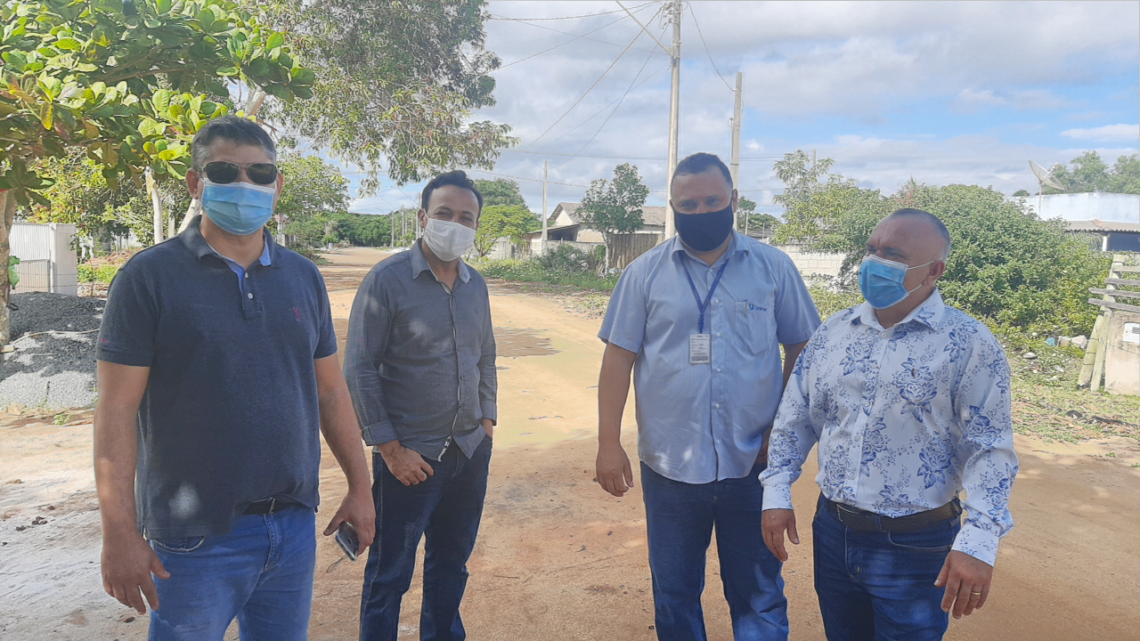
[{"x": 448, "y": 240}]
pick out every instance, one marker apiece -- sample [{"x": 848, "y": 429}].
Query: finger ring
[{"x": 976, "y": 593}]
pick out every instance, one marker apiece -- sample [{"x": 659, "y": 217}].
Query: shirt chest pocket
[{"x": 754, "y": 326}]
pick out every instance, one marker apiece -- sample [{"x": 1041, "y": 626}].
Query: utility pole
[
  {"x": 674, "y": 115},
  {"x": 674, "y": 10},
  {"x": 545, "y": 167},
  {"x": 735, "y": 166}
]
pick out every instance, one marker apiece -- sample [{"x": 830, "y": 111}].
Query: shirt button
[
  {"x": 718, "y": 334},
  {"x": 885, "y": 334},
  {"x": 250, "y": 294},
  {"x": 718, "y": 369},
  {"x": 718, "y": 300},
  {"x": 247, "y": 275},
  {"x": 716, "y": 405}
]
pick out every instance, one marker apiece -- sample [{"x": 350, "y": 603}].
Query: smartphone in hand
[{"x": 347, "y": 540}]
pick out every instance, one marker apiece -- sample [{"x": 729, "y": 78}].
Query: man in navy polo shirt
[{"x": 217, "y": 369}]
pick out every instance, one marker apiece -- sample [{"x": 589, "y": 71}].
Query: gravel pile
[{"x": 53, "y": 367}]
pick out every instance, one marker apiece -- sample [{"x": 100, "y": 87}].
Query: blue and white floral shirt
[{"x": 905, "y": 418}]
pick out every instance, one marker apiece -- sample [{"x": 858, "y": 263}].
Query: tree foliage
[
  {"x": 396, "y": 83},
  {"x": 1089, "y": 173},
  {"x": 1006, "y": 265},
  {"x": 498, "y": 221},
  {"x": 500, "y": 191},
  {"x": 747, "y": 220},
  {"x": 614, "y": 206},
  {"x": 128, "y": 83}
]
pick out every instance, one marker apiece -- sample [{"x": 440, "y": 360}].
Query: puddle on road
[{"x": 509, "y": 342}]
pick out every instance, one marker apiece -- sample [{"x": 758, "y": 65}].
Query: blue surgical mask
[
  {"x": 881, "y": 281},
  {"x": 704, "y": 232},
  {"x": 239, "y": 208}
]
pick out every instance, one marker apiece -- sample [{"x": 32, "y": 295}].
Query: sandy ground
[{"x": 557, "y": 558}]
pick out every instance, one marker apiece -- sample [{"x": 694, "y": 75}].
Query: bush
[
  {"x": 104, "y": 274},
  {"x": 566, "y": 266},
  {"x": 567, "y": 259}
]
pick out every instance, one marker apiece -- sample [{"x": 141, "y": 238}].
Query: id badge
[{"x": 700, "y": 349}]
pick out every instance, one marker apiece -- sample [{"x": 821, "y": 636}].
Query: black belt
[
  {"x": 269, "y": 506},
  {"x": 864, "y": 521}
]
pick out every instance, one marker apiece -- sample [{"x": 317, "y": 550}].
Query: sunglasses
[{"x": 223, "y": 173}]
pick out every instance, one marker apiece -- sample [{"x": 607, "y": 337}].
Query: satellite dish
[{"x": 1045, "y": 176}]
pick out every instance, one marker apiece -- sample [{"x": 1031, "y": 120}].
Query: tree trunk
[
  {"x": 156, "y": 204},
  {"x": 8, "y": 207}
]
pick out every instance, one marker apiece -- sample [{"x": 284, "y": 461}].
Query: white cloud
[{"x": 1107, "y": 133}]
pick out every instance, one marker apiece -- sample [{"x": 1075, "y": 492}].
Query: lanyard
[{"x": 705, "y": 305}]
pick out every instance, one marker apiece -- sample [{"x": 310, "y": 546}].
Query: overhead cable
[
  {"x": 588, "y": 15},
  {"x": 707, "y": 52}
]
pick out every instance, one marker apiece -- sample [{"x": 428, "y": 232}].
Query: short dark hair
[
  {"x": 233, "y": 128},
  {"x": 457, "y": 178},
  {"x": 934, "y": 222},
  {"x": 699, "y": 163}
]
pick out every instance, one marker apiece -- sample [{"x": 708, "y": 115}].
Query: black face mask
[{"x": 704, "y": 232}]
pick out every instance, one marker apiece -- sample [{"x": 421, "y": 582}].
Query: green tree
[
  {"x": 500, "y": 191},
  {"x": 499, "y": 221},
  {"x": 314, "y": 191},
  {"x": 1089, "y": 173},
  {"x": 614, "y": 206},
  {"x": 747, "y": 220},
  {"x": 801, "y": 177},
  {"x": 396, "y": 84},
  {"x": 126, "y": 82},
  {"x": 363, "y": 230}
]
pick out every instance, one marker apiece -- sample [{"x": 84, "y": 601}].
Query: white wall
[
  {"x": 51, "y": 243},
  {"x": 812, "y": 262},
  {"x": 1118, "y": 208}
]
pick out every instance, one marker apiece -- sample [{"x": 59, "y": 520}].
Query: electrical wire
[
  {"x": 612, "y": 103},
  {"x": 707, "y": 52},
  {"x": 515, "y": 62},
  {"x": 588, "y": 15},
  {"x": 536, "y": 180},
  {"x": 587, "y": 92},
  {"x": 568, "y": 33},
  {"x": 620, "y": 100}
]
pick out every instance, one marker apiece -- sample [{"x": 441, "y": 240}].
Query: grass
[{"x": 530, "y": 272}]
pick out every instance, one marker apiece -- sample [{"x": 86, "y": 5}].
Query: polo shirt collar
[
  {"x": 930, "y": 313},
  {"x": 193, "y": 240},
  {"x": 735, "y": 247},
  {"x": 420, "y": 264}
]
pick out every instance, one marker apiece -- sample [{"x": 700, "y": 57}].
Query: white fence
[{"x": 47, "y": 261}]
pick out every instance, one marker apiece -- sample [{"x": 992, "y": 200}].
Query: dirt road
[{"x": 557, "y": 558}]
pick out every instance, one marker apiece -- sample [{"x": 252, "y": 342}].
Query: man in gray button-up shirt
[{"x": 420, "y": 363}]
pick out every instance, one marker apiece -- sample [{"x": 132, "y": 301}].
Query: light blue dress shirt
[
  {"x": 905, "y": 418},
  {"x": 703, "y": 423}
]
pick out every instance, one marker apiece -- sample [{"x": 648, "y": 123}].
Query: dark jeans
[
  {"x": 680, "y": 520},
  {"x": 445, "y": 509},
  {"x": 879, "y": 586}
]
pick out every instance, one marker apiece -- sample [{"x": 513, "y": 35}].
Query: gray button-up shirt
[{"x": 420, "y": 360}]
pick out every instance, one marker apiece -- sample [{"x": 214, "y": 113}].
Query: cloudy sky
[{"x": 944, "y": 92}]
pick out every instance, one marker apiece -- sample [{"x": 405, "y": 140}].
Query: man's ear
[
  {"x": 421, "y": 215},
  {"x": 936, "y": 271},
  {"x": 193, "y": 183}
]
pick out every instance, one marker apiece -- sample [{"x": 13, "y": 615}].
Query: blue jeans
[
  {"x": 680, "y": 520},
  {"x": 445, "y": 509},
  {"x": 260, "y": 572},
  {"x": 879, "y": 586}
]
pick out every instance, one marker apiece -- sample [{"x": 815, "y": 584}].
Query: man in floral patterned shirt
[{"x": 909, "y": 401}]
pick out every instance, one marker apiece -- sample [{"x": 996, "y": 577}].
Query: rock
[
  {"x": 1081, "y": 341},
  {"x": 1060, "y": 370},
  {"x": 1029, "y": 356},
  {"x": 1064, "y": 341},
  {"x": 7, "y": 349}
]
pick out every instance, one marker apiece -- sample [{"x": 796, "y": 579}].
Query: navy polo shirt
[{"x": 230, "y": 414}]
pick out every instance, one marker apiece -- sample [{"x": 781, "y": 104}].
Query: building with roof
[
  {"x": 1114, "y": 236},
  {"x": 565, "y": 224}
]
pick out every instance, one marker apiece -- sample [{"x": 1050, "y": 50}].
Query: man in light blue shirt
[
  {"x": 699, "y": 320},
  {"x": 909, "y": 401}
]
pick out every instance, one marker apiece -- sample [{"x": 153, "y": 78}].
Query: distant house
[
  {"x": 565, "y": 224},
  {"x": 1114, "y": 237}
]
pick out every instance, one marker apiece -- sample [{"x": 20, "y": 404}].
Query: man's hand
[
  {"x": 406, "y": 465},
  {"x": 489, "y": 427},
  {"x": 774, "y": 523},
  {"x": 127, "y": 566},
  {"x": 358, "y": 510},
  {"x": 614, "y": 472},
  {"x": 967, "y": 582}
]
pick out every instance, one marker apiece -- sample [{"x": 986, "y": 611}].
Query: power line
[
  {"x": 612, "y": 103},
  {"x": 568, "y": 33},
  {"x": 587, "y": 92},
  {"x": 620, "y": 100},
  {"x": 536, "y": 180},
  {"x": 588, "y": 15},
  {"x": 562, "y": 44},
  {"x": 707, "y": 52}
]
